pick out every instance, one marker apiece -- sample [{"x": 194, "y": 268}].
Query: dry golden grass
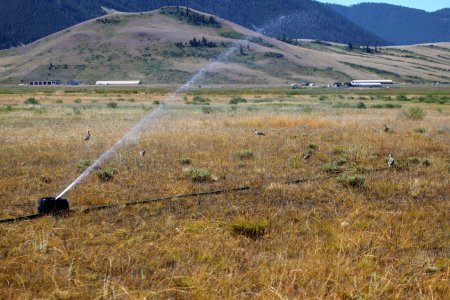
[{"x": 386, "y": 239}]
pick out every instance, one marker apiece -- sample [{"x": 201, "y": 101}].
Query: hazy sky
[{"x": 428, "y": 5}]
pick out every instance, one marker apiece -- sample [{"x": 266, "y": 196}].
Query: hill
[
  {"x": 168, "y": 46},
  {"x": 23, "y": 21},
  {"x": 397, "y": 24}
]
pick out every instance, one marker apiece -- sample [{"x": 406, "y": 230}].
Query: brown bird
[
  {"x": 88, "y": 136},
  {"x": 385, "y": 129},
  {"x": 259, "y": 133}
]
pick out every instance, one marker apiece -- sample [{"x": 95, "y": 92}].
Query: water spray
[{"x": 58, "y": 204}]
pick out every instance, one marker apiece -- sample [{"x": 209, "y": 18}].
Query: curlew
[
  {"x": 391, "y": 161},
  {"x": 142, "y": 152},
  {"x": 257, "y": 132},
  {"x": 307, "y": 155},
  {"x": 88, "y": 136}
]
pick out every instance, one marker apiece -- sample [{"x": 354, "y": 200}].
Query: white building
[
  {"x": 369, "y": 82},
  {"x": 112, "y": 82}
]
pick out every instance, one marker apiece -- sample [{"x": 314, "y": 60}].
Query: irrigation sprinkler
[{"x": 52, "y": 206}]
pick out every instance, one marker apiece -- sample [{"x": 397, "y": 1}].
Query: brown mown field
[{"x": 360, "y": 231}]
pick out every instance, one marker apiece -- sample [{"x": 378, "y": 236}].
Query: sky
[{"x": 428, "y": 5}]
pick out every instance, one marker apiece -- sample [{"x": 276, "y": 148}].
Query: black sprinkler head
[{"x": 52, "y": 206}]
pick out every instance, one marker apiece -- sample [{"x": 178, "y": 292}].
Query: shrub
[
  {"x": 253, "y": 230},
  {"x": 76, "y": 111},
  {"x": 197, "y": 174},
  {"x": 273, "y": 54},
  {"x": 331, "y": 168},
  {"x": 414, "y": 160},
  {"x": 32, "y": 101},
  {"x": 59, "y": 101},
  {"x": 111, "y": 105},
  {"x": 199, "y": 100},
  {"x": 207, "y": 110},
  {"x": 420, "y": 130},
  {"x": 414, "y": 113},
  {"x": 391, "y": 105},
  {"x": 341, "y": 161},
  {"x": 78, "y": 100},
  {"x": 337, "y": 150},
  {"x": 84, "y": 164},
  {"x": 106, "y": 174},
  {"x": 401, "y": 98},
  {"x": 426, "y": 162},
  {"x": 312, "y": 147},
  {"x": 353, "y": 181},
  {"x": 237, "y": 100},
  {"x": 46, "y": 179},
  {"x": 386, "y": 105},
  {"x": 361, "y": 105},
  {"x": 243, "y": 154},
  {"x": 7, "y": 108},
  {"x": 156, "y": 102},
  {"x": 185, "y": 160}
]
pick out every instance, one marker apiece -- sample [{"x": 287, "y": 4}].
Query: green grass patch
[
  {"x": 185, "y": 160},
  {"x": 198, "y": 174},
  {"x": 31, "y": 101},
  {"x": 243, "y": 154},
  {"x": 106, "y": 174},
  {"x": 237, "y": 99},
  {"x": 331, "y": 167},
  {"x": 83, "y": 164},
  {"x": 199, "y": 100},
  {"x": 111, "y": 105},
  {"x": 232, "y": 35},
  {"x": 353, "y": 181},
  {"x": 414, "y": 113},
  {"x": 250, "y": 229}
]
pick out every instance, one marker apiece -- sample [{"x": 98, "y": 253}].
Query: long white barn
[
  {"x": 376, "y": 81},
  {"x": 111, "y": 82}
]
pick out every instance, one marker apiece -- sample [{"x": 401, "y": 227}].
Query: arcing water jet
[{"x": 134, "y": 132}]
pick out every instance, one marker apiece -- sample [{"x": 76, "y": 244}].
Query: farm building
[
  {"x": 130, "y": 82},
  {"x": 45, "y": 82},
  {"x": 371, "y": 82}
]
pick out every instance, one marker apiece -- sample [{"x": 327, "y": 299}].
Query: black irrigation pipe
[{"x": 147, "y": 201}]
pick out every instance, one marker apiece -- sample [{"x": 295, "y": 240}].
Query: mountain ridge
[{"x": 398, "y": 24}]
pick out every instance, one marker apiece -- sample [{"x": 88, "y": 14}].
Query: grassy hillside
[
  {"x": 169, "y": 46},
  {"x": 24, "y": 21}
]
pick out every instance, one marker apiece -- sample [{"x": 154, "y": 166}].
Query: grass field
[{"x": 364, "y": 231}]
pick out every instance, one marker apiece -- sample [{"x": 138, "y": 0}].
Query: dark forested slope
[{"x": 397, "y": 24}]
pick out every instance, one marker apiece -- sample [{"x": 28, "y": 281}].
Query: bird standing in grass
[
  {"x": 391, "y": 161},
  {"x": 307, "y": 155},
  {"x": 142, "y": 152},
  {"x": 257, "y": 132},
  {"x": 88, "y": 136},
  {"x": 385, "y": 129}
]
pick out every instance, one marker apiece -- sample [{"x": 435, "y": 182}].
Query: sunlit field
[{"x": 353, "y": 228}]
